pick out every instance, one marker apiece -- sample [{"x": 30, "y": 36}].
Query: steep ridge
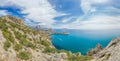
[
  {"x": 19, "y": 42},
  {"x": 110, "y": 53}
]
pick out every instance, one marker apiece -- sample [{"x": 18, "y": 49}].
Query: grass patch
[
  {"x": 76, "y": 57},
  {"x": 24, "y": 55},
  {"x": 45, "y": 43},
  {"x": 79, "y": 58},
  {"x": 7, "y": 45},
  {"x": 49, "y": 50},
  {"x": 8, "y": 36},
  {"x": 18, "y": 47}
]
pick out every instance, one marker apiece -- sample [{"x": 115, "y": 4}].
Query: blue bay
[{"x": 83, "y": 40}]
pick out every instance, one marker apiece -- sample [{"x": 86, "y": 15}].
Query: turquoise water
[{"x": 83, "y": 40}]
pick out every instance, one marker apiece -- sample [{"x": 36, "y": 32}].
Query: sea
[{"x": 83, "y": 40}]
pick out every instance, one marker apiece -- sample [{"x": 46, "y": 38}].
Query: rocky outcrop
[
  {"x": 95, "y": 50},
  {"x": 12, "y": 18},
  {"x": 110, "y": 53}
]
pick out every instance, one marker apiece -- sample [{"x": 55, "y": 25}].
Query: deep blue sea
[{"x": 83, "y": 40}]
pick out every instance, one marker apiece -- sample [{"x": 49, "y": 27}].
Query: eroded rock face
[
  {"x": 113, "y": 43},
  {"x": 94, "y": 51},
  {"x": 110, "y": 53}
]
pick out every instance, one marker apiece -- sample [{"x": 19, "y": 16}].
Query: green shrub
[
  {"x": 23, "y": 41},
  {"x": 30, "y": 45},
  {"x": 18, "y": 47},
  {"x": 8, "y": 36},
  {"x": 18, "y": 35},
  {"x": 79, "y": 58},
  {"x": 7, "y": 45},
  {"x": 27, "y": 43},
  {"x": 24, "y": 55},
  {"x": 49, "y": 50},
  {"x": 45, "y": 43},
  {"x": 3, "y": 24}
]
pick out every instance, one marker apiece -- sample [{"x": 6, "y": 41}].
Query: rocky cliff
[
  {"x": 18, "y": 42},
  {"x": 110, "y": 53}
]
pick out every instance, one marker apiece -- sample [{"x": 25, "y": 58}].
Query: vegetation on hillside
[
  {"x": 20, "y": 37},
  {"x": 16, "y": 36},
  {"x": 7, "y": 45},
  {"x": 24, "y": 55},
  {"x": 18, "y": 47}
]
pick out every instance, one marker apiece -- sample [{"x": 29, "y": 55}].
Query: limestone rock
[
  {"x": 94, "y": 51},
  {"x": 110, "y": 53}
]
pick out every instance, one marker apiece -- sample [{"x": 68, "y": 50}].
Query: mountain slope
[{"x": 19, "y": 42}]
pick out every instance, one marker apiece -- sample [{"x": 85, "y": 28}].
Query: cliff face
[
  {"x": 18, "y": 42},
  {"x": 110, "y": 53},
  {"x": 95, "y": 50}
]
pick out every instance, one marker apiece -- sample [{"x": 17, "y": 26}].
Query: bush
[
  {"x": 24, "y": 55},
  {"x": 45, "y": 43},
  {"x": 30, "y": 45},
  {"x": 3, "y": 24},
  {"x": 79, "y": 58},
  {"x": 53, "y": 50},
  {"x": 7, "y": 45},
  {"x": 27, "y": 43},
  {"x": 49, "y": 50},
  {"x": 18, "y": 35},
  {"x": 8, "y": 36},
  {"x": 18, "y": 47},
  {"x": 24, "y": 41}
]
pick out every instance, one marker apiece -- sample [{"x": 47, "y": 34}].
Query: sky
[{"x": 68, "y": 14}]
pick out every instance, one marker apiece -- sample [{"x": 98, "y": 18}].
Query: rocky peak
[{"x": 13, "y": 19}]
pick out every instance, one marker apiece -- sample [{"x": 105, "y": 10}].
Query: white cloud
[
  {"x": 42, "y": 11},
  {"x": 68, "y": 19},
  {"x": 96, "y": 23},
  {"x": 4, "y": 3},
  {"x": 99, "y": 1},
  {"x": 3, "y": 12},
  {"x": 92, "y": 21},
  {"x": 37, "y": 10},
  {"x": 86, "y": 5}
]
